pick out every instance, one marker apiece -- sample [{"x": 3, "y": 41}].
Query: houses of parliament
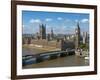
[{"x": 55, "y": 41}]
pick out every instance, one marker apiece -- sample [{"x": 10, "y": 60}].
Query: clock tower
[{"x": 77, "y": 36}]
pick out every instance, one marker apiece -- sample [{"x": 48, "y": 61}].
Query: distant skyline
[{"x": 60, "y": 22}]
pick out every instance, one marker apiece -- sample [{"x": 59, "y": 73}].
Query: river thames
[{"x": 67, "y": 61}]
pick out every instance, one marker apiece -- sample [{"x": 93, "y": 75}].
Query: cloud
[
  {"x": 68, "y": 20},
  {"x": 59, "y": 18},
  {"x": 84, "y": 20},
  {"x": 64, "y": 27},
  {"x": 48, "y": 19},
  {"x": 35, "y": 21},
  {"x": 76, "y": 20}
]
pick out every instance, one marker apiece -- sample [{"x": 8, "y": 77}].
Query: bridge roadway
[{"x": 37, "y": 58}]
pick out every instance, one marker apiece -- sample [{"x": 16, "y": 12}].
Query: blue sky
[{"x": 60, "y": 22}]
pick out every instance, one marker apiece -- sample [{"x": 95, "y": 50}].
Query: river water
[{"x": 66, "y": 61}]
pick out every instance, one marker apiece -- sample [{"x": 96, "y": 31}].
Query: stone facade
[
  {"x": 71, "y": 41},
  {"x": 42, "y": 31},
  {"x": 84, "y": 37},
  {"x": 67, "y": 45}
]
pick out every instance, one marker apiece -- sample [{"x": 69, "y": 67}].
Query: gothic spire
[{"x": 78, "y": 27}]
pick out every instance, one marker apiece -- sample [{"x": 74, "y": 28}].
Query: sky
[{"x": 60, "y": 22}]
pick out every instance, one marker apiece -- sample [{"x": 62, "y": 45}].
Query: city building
[
  {"x": 77, "y": 36},
  {"x": 85, "y": 37},
  {"x": 52, "y": 34},
  {"x": 42, "y": 31}
]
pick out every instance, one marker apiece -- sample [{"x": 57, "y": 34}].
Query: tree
[{"x": 84, "y": 46}]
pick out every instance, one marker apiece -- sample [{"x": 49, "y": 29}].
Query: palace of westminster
[{"x": 61, "y": 41}]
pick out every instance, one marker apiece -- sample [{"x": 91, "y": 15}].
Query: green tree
[{"x": 84, "y": 46}]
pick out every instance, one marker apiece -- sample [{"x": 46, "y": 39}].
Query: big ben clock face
[{"x": 76, "y": 31}]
